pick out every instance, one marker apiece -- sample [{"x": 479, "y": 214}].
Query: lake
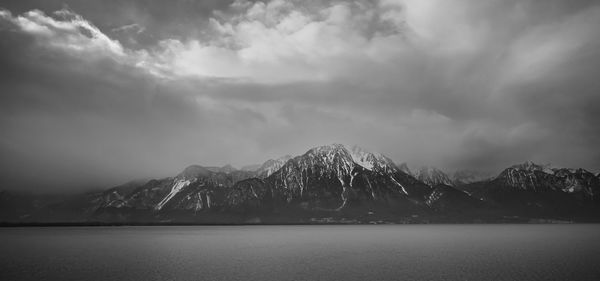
[{"x": 319, "y": 252}]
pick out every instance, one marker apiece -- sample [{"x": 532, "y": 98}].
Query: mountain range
[{"x": 327, "y": 184}]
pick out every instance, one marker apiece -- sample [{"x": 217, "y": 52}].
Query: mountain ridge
[{"x": 326, "y": 181}]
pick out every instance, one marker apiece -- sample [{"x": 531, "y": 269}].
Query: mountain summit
[{"x": 433, "y": 176}]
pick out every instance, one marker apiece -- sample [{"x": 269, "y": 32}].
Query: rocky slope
[
  {"x": 446, "y": 198},
  {"x": 195, "y": 189}
]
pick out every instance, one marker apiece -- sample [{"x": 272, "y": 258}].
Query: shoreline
[{"x": 99, "y": 224}]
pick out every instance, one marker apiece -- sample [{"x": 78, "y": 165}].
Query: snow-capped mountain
[
  {"x": 324, "y": 177},
  {"x": 537, "y": 187},
  {"x": 329, "y": 177},
  {"x": 326, "y": 180},
  {"x": 528, "y": 176},
  {"x": 323, "y": 173},
  {"x": 433, "y": 176}
]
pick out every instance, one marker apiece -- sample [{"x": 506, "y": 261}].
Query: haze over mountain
[{"x": 96, "y": 93}]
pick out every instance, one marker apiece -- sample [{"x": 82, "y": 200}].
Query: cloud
[
  {"x": 456, "y": 84},
  {"x": 92, "y": 116},
  {"x": 134, "y": 27},
  {"x": 277, "y": 42},
  {"x": 72, "y": 33}
]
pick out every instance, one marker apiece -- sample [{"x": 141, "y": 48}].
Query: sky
[{"x": 96, "y": 93}]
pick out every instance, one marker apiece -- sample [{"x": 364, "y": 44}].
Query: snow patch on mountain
[
  {"x": 372, "y": 161},
  {"x": 177, "y": 187},
  {"x": 362, "y": 157}
]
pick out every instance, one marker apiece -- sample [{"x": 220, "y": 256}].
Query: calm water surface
[{"x": 360, "y": 252}]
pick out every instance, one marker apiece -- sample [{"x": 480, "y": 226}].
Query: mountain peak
[
  {"x": 433, "y": 176},
  {"x": 531, "y": 166},
  {"x": 272, "y": 165},
  {"x": 228, "y": 167},
  {"x": 372, "y": 161},
  {"x": 329, "y": 154},
  {"x": 193, "y": 171},
  {"x": 330, "y": 148}
]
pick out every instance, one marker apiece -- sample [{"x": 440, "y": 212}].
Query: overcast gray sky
[{"x": 94, "y": 93}]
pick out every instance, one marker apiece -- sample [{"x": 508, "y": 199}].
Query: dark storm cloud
[
  {"x": 85, "y": 119},
  {"x": 96, "y": 94}
]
